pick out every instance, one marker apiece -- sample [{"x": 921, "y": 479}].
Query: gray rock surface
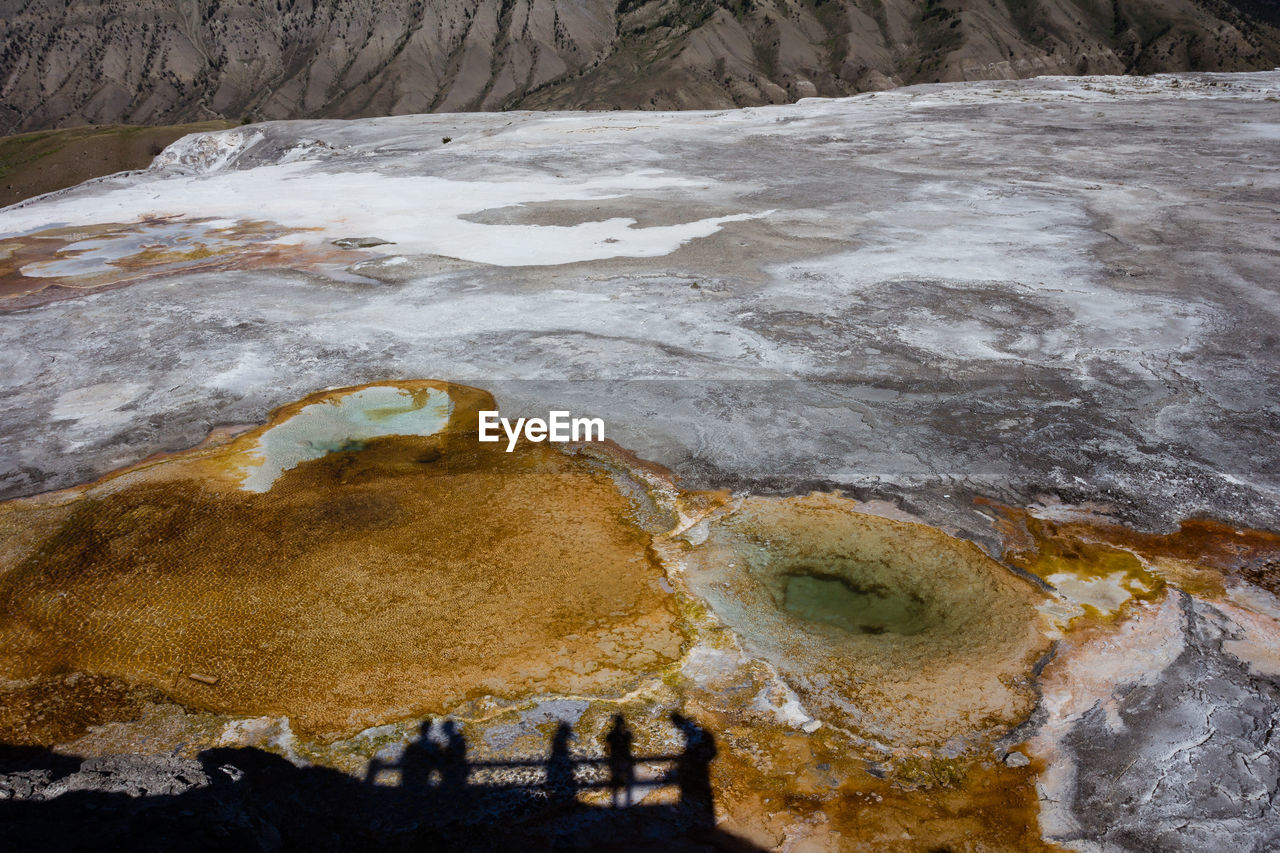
[
  {"x": 132, "y": 775},
  {"x": 1053, "y": 289},
  {"x": 1190, "y": 761}
]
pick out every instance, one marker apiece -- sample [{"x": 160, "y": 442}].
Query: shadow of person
[
  {"x": 419, "y": 763},
  {"x": 454, "y": 770},
  {"x": 693, "y": 771},
  {"x": 622, "y": 764},
  {"x": 561, "y": 786}
]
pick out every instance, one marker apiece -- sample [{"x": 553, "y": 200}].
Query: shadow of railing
[{"x": 431, "y": 796}]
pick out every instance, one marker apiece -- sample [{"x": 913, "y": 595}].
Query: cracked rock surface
[{"x": 1184, "y": 758}]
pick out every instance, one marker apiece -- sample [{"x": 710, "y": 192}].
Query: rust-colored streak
[
  {"x": 1201, "y": 556},
  {"x": 156, "y": 247},
  {"x": 779, "y": 779},
  {"x": 1253, "y": 555},
  {"x": 362, "y": 587}
]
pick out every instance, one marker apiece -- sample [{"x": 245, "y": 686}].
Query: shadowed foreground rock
[{"x": 248, "y": 799}]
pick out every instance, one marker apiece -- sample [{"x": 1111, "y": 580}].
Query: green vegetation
[
  {"x": 939, "y": 34},
  {"x": 1026, "y": 17},
  {"x": 834, "y": 18},
  {"x": 17, "y": 151}
]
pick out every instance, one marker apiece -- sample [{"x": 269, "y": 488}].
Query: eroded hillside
[{"x": 151, "y": 62}]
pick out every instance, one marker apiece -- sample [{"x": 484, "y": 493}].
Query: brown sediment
[
  {"x": 771, "y": 782},
  {"x": 423, "y": 574},
  {"x": 178, "y": 245},
  {"x": 950, "y": 636},
  {"x": 59, "y": 707},
  {"x": 362, "y": 587},
  {"x": 982, "y": 806},
  {"x": 1202, "y": 556}
]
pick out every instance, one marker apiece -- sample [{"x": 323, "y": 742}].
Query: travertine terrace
[{"x": 942, "y": 479}]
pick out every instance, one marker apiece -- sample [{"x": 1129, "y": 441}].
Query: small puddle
[
  {"x": 345, "y": 423},
  {"x": 872, "y": 609},
  {"x": 894, "y": 630}
]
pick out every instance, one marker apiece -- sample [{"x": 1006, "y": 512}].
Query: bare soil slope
[{"x": 152, "y": 62}]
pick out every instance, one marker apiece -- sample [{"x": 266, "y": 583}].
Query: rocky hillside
[{"x": 167, "y": 61}]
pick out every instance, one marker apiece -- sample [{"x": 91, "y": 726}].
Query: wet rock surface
[{"x": 911, "y": 298}]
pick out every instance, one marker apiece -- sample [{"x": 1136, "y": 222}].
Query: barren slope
[{"x": 148, "y": 62}]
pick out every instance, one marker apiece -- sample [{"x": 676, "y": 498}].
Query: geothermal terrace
[{"x": 941, "y": 487}]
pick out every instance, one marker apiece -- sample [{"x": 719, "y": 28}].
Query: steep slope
[
  {"x": 153, "y": 62},
  {"x": 742, "y": 52}
]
